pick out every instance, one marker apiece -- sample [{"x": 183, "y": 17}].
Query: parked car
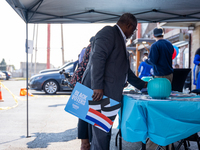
[
  {"x": 50, "y": 82},
  {"x": 57, "y": 69},
  {"x": 8, "y": 74},
  {"x": 2, "y": 76}
]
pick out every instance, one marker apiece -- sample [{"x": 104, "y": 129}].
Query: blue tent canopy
[{"x": 104, "y": 11}]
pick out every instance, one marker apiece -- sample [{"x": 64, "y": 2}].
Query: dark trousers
[
  {"x": 84, "y": 130},
  {"x": 100, "y": 139}
]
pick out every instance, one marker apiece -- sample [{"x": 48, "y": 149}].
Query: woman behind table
[{"x": 196, "y": 69}]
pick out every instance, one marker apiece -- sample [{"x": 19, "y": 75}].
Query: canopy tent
[{"x": 102, "y": 11}]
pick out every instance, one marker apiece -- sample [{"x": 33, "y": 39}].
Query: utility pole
[
  {"x": 137, "y": 51},
  {"x": 32, "y": 53},
  {"x": 48, "y": 46},
  {"x": 36, "y": 49},
  {"x": 62, "y": 48}
]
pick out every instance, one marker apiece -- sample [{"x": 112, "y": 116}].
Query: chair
[
  {"x": 195, "y": 137},
  {"x": 186, "y": 142},
  {"x": 197, "y": 91},
  {"x": 179, "y": 77}
]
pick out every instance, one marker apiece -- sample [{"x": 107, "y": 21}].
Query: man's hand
[{"x": 97, "y": 94}]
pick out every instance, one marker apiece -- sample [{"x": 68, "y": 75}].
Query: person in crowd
[
  {"x": 75, "y": 64},
  {"x": 176, "y": 66},
  {"x": 107, "y": 72},
  {"x": 196, "y": 70},
  {"x": 81, "y": 55},
  {"x": 160, "y": 56},
  {"x": 77, "y": 77},
  {"x": 78, "y": 74},
  {"x": 145, "y": 69}
]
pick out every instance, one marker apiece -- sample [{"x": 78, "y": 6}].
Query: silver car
[{"x": 2, "y": 76}]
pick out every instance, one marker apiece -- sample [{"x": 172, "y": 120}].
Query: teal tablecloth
[{"x": 163, "y": 121}]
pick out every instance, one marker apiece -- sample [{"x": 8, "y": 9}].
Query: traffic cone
[
  {"x": 29, "y": 94},
  {"x": 23, "y": 92},
  {"x": 1, "y": 100}
]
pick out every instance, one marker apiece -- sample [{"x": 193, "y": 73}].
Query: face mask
[{"x": 144, "y": 58}]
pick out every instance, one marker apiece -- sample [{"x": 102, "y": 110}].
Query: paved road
[{"x": 49, "y": 126}]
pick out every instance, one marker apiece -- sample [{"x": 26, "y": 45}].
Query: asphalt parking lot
[{"x": 48, "y": 126}]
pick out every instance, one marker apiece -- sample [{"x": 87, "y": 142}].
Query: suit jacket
[{"x": 108, "y": 66}]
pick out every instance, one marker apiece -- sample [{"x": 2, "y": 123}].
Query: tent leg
[{"x": 27, "y": 78}]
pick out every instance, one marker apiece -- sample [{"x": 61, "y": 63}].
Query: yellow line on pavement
[
  {"x": 19, "y": 97},
  {"x": 16, "y": 101}
]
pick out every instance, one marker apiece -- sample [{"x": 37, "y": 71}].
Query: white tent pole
[{"x": 27, "y": 76}]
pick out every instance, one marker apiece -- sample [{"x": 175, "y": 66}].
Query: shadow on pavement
[
  {"x": 21, "y": 137},
  {"x": 42, "y": 140}
]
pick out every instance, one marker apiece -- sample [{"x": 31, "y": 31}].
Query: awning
[
  {"x": 180, "y": 25},
  {"x": 181, "y": 43},
  {"x": 104, "y": 11}
]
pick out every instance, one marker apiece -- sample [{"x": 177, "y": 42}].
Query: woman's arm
[{"x": 196, "y": 59}]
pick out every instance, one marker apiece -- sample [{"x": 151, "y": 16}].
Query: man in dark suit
[{"x": 107, "y": 72}]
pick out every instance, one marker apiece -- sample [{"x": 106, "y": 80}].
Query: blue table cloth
[{"x": 163, "y": 121}]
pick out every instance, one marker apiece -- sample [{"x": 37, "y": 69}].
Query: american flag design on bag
[{"x": 102, "y": 114}]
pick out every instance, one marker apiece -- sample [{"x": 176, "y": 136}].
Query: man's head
[
  {"x": 177, "y": 66},
  {"x": 145, "y": 56},
  {"x": 158, "y": 32},
  {"x": 128, "y": 24}
]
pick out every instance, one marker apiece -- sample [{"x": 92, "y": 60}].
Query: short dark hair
[
  {"x": 127, "y": 18},
  {"x": 158, "y": 32}
]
